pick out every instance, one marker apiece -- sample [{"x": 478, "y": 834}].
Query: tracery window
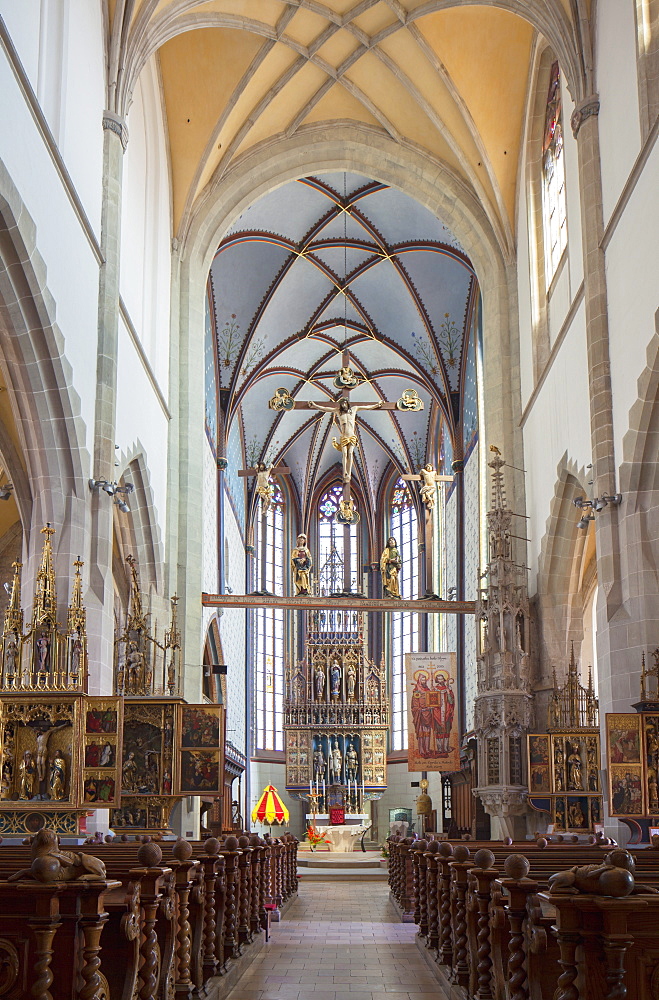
[
  {"x": 330, "y": 544},
  {"x": 404, "y": 627},
  {"x": 554, "y": 209},
  {"x": 269, "y": 632}
]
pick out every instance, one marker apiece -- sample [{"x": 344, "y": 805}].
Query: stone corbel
[
  {"x": 114, "y": 123},
  {"x": 585, "y": 109}
]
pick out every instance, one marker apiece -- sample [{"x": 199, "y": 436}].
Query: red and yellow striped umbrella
[{"x": 270, "y": 808}]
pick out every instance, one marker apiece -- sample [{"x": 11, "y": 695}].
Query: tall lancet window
[
  {"x": 553, "y": 178},
  {"x": 330, "y": 544},
  {"x": 404, "y": 627},
  {"x": 269, "y": 632}
]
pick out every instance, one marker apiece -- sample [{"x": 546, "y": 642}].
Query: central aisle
[{"x": 340, "y": 941}]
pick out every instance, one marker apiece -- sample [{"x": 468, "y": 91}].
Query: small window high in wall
[{"x": 553, "y": 178}]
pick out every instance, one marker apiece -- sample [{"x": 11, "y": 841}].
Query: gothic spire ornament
[{"x": 503, "y": 708}]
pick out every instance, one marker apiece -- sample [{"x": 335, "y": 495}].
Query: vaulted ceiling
[
  {"x": 447, "y": 78},
  {"x": 338, "y": 262}
]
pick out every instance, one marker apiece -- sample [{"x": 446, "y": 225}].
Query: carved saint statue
[
  {"x": 27, "y": 771},
  {"x": 301, "y": 564},
  {"x": 57, "y": 779},
  {"x": 336, "y": 760},
  {"x": 135, "y": 662},
  {"x": 11, "y": 652},
  {"x": 318, "y": 764},
  {"x": 263, "y": 488},
  {"x": 319, "y": 681},
  {"x": 76, "y": 654},
  {"x": 5, "y": 781},
  {"x": 42, "y": 646},
  {"x": 351, "y": 680},
  {"x": 390, "y": 566},
  {"x": 335, "y": 680},
  {"x": 345, "y": 418},
  {"x": 352, "y": 762},
  {"x": 574, "y": 768},
  {"x": 129, "y": 773}
]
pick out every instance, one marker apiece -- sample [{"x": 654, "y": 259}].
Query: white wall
[
  {"x": 617, "y": 85},
  {"x": 146, "y": 223}
]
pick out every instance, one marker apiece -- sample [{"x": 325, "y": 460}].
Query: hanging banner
[{"x": 433, "y": 742}]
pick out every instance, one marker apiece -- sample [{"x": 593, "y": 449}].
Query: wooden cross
[
  {"x": 264, "y": 490},
  {"x": 429, "y": 478},
  {"x": 344, "y": 416}
]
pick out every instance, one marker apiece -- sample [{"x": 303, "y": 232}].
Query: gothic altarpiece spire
[
  {"x": 64, "y": 752},
  {"x": 504, "y": 705}
]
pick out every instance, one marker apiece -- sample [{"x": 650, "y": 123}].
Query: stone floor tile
[{"x": 337, "y": 942}]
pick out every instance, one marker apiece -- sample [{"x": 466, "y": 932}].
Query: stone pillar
[
  {"x": 100, "y": 596},
  {"x": 585, "y": 127}
]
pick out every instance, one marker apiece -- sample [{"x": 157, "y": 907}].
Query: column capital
[
  {"x": 114, "y": 123},
  {"x": 584, "y": 109}
]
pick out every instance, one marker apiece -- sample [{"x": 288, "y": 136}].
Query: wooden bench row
[
  {"x": 499, "y": 934},
  {"x": 164, "y": 920}
]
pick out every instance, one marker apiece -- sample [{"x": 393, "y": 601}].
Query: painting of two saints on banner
[{"x": 433, "y": 743}]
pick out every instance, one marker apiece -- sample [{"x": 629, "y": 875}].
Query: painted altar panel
[
  {"x": 101, "y": 774},
  {"x": 564, "y": 768},
  {"x": 298, "y": 759},
  {"x": 200, "y": 738},
  {"x": 433, "y": 740},
  {"x": 41, "y": 748},
  {"x": 148, "y": 759}
]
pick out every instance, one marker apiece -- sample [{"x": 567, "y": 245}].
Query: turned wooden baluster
[
  {"x": 484, "y": 875},
  {"x": 231, "y": 856},
  {"x": 255, "y": 843},
  {"x": 283, "y": 866},
  {"x": 568, "y": 942},
  {"x": 615, "y": 948},
  {"x": 407, "y": 876},
  {"x": 416, "y": 848},
  {"x": 151, "y": 880},
  {"x": 44, "y": 925},
  {"x": 422, "y": 889},
  {"x": 220, "y": 910},
  {"x": 459, "y": 868},
  {"x": 445, "y": 956},
  {"x": 244, "y": 906},
  {"x": 432, "y": 875},
  {"x": 92, "y": 919},
  {"x": 277, "y": 853},
  {"x": 182, "y": 852},
  {"x": 295, "y": 843},
  {"x": 519, "y": 888},
  {"x": 264, "y": 882},
  {"x": 209, "y": 961},
  {"x": 267, "y": 873}
]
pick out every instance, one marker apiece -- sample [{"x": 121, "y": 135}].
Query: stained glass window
[
  {"x": 269, "y": 632},
  {"x": 404, "y": 627},
  {"x": 330, "y": 544},
  {"x": 554, "y": 209}
]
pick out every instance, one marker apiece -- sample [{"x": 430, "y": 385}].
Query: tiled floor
[{"x": 340, "y": 941}]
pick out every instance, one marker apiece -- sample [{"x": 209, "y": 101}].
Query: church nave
[{"x": 340, "y": 941}]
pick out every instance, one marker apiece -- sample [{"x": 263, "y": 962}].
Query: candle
[
  {"x": 323, "y": 789},
  {"x": 310, "y": 788}
]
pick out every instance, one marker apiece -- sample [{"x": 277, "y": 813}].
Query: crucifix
[
  {"x": 265, "y": 491},
  {"x": 429, "y": 478},
  {"x": 344, "y": 414}
]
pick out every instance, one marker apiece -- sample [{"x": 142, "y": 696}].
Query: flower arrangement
[
  {"x": 384, "y": 850},
  {"x": 315, "y": 838}
]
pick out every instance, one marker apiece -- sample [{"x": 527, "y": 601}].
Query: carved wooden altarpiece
[{"x": 336, "y": 700}]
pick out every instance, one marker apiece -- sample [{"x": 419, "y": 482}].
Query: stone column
[
  {"x": 585, "y": 127},
  {"x": 100, "y": 597}
]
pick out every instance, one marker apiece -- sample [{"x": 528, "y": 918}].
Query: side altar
[
  {"x": 336, "y": 717},
  {"x": 135, "y": 751}
]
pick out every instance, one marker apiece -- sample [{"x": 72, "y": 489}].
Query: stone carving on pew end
[
  {"x": 615, "y": 876},
  {"x": 50, "y": 864}
]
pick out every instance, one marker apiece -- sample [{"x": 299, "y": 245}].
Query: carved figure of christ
[
  {"x": 344, "y": 415},
  {"x": 429, "y": 478}
]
